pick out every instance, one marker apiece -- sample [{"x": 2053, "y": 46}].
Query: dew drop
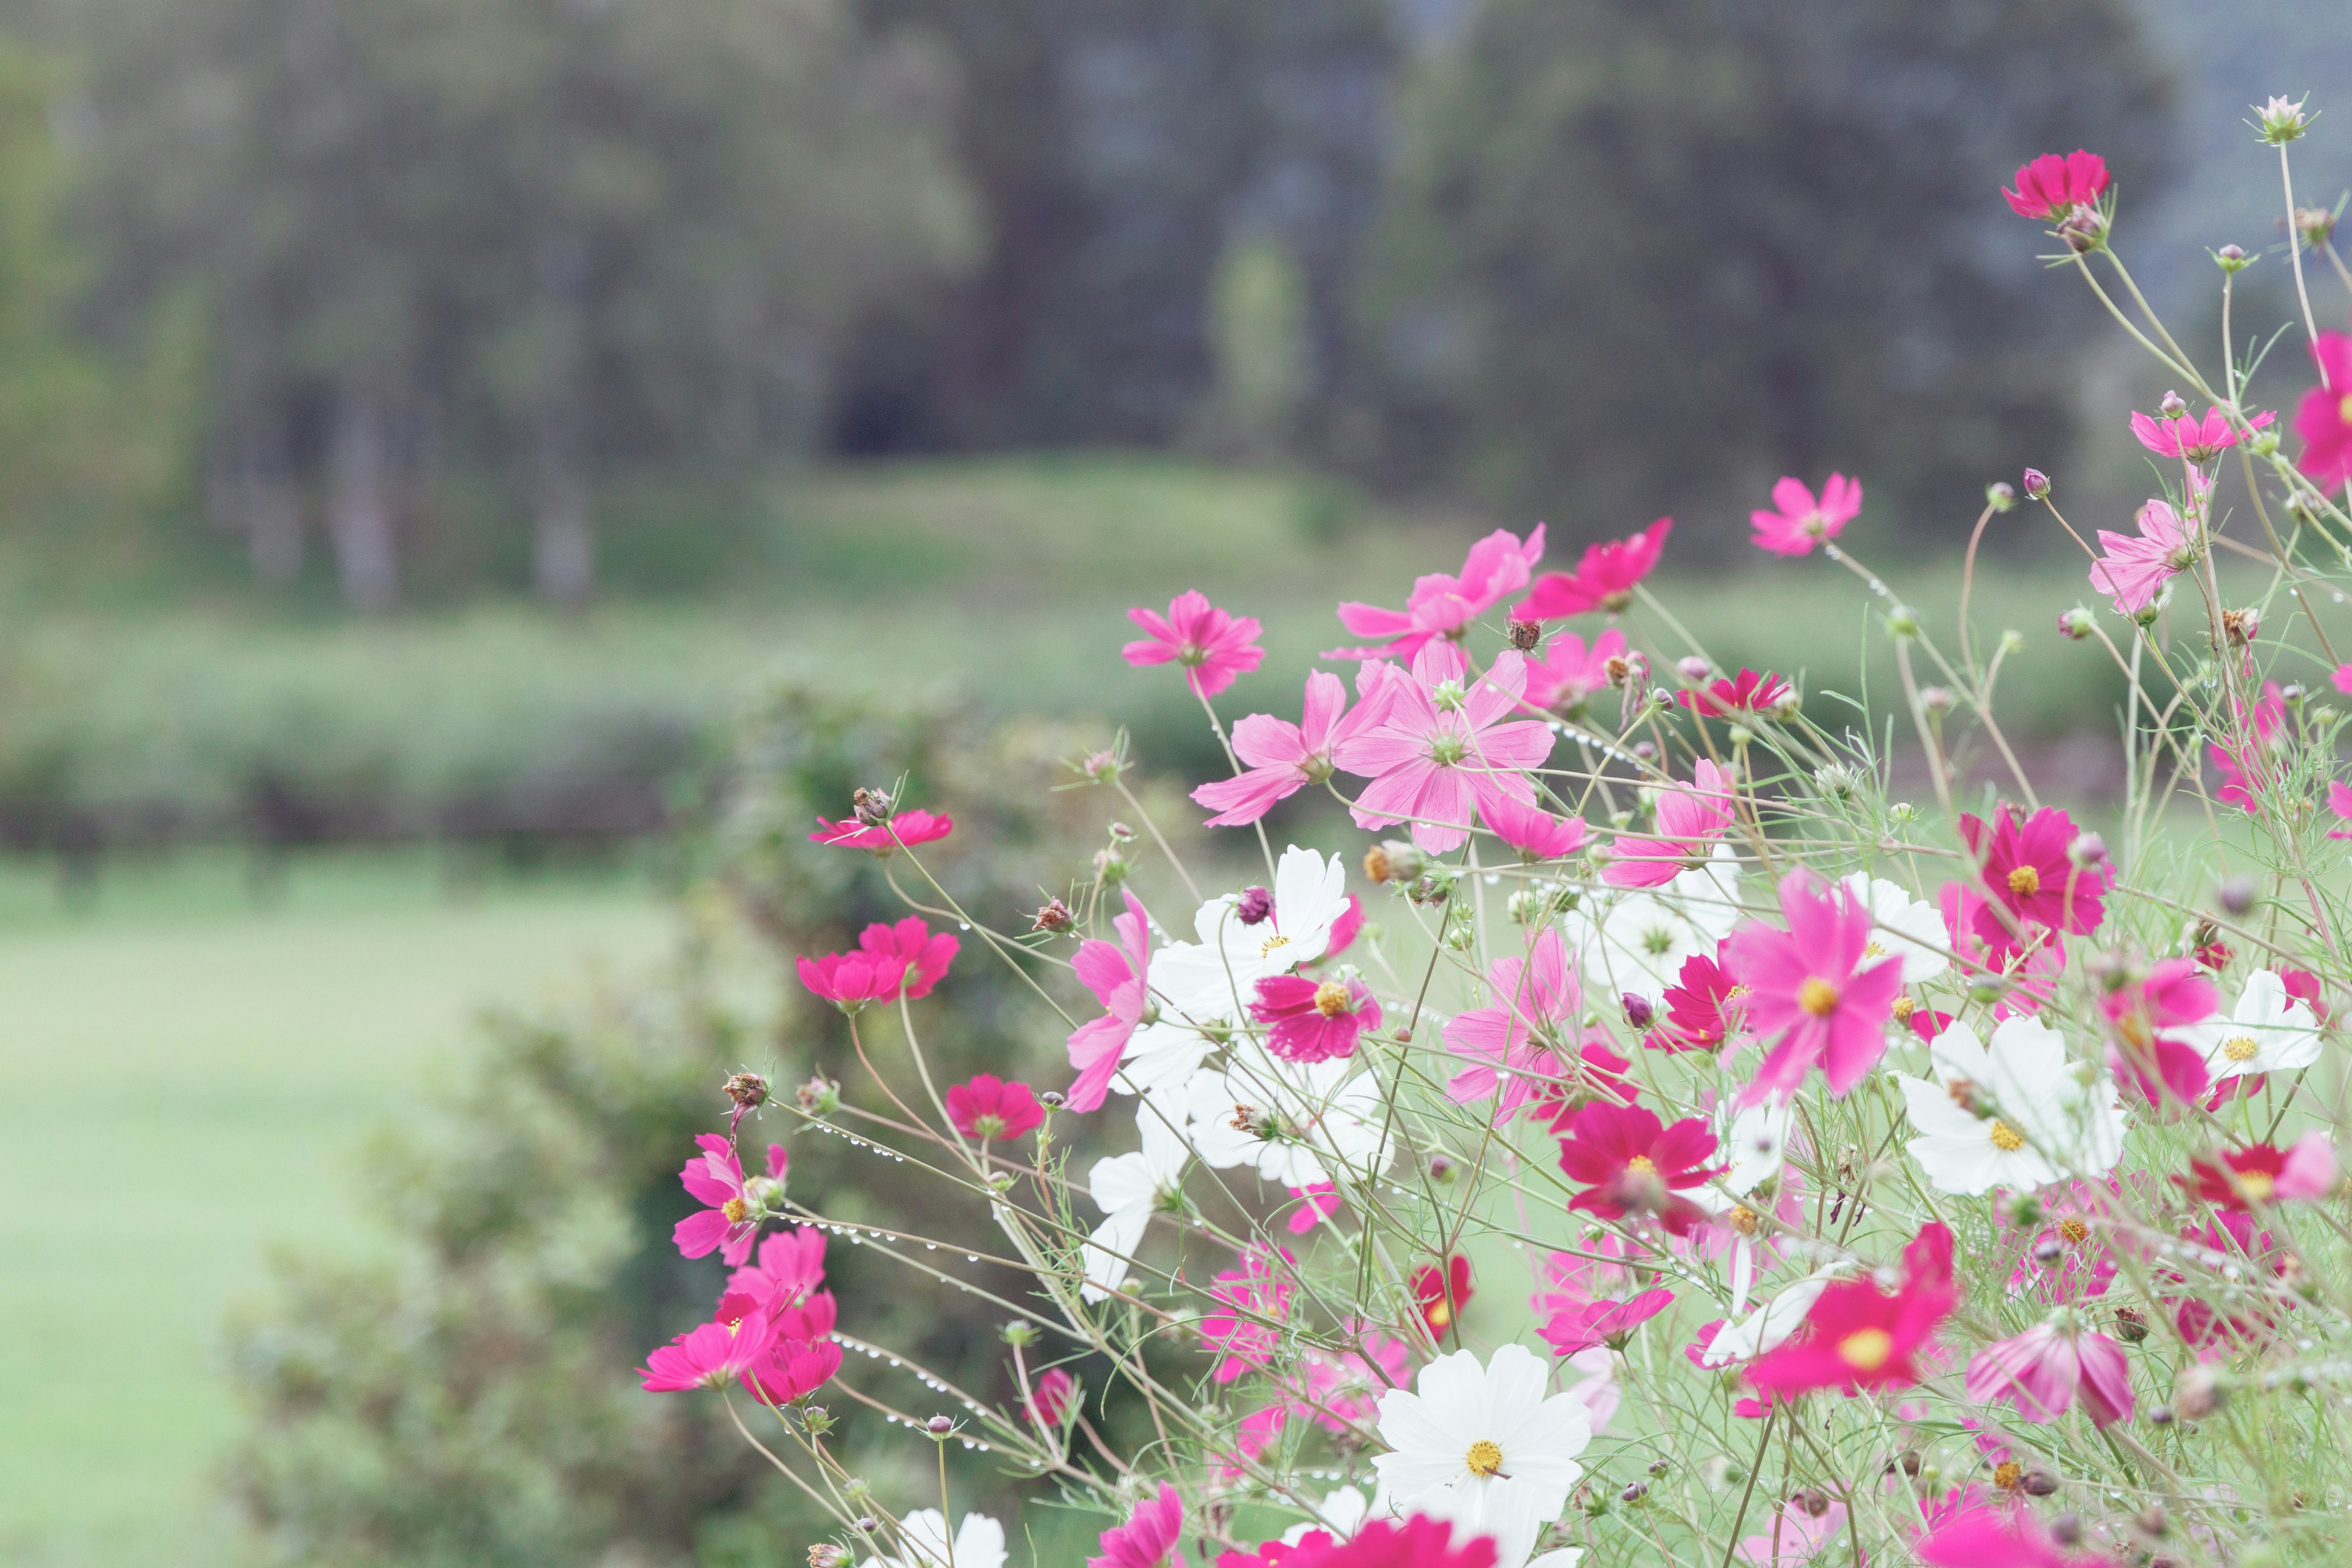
[{"x": 963, "y": 925}]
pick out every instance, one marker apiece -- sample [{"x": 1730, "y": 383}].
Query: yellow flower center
[
  {"x": 2007, "y": 1473},
  {"x": 1485, "y": 1458},
  {"x": 2073, "y": 1229},
  {"x": 1735, "y": 993},
  {"x": 1817, "y": 996},
  {"x": 1271, "y": 944},
  {"x": 736, "y": 1210},
  {"x": 2256, "y": 1185},
  {"x": 1872, "y": 950},
  {"x": 1331, "y": 999},
  {"x": 2004, "y": 1137},
  {"x": 2344, "y": 409},
  {"x": 2240, "y": 1049},
  {"x": 1642, "y": 1163},
  {"x": 2136, "y": 1030},
  {"x": 1744, "y": 1219},
  {"x": 1439, "y": 1313},
  {"x": 1866, "y": 1349},
  {"x": 1904, "y": 1008},
  {"x": 2025, "y": 880}
]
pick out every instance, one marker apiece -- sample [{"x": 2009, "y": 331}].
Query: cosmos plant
[{"x": 1586, "y": 1103}]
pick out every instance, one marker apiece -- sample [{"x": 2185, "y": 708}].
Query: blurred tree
[
  {"x": 1643, "y": 258},
  {"x": 543, "y": 240}
]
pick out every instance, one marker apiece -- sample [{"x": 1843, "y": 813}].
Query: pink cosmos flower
[
  {"x": 852, "y": 980},
  {"x": 1812, "y": 982},
  {"x": 2213, "y": 1334},
  {"x": 2030, "y": 971},
  {"x": 793, "y": 1369},
  {"x": 1440, "y": 748},
  {"x": 2192, "y": 440},
  {"x": 2324, "y": 419},
  {"x": 790, "y": 1265},
  {"x": 1630, "y": 1163},
  {"x": 1603, "y": 580},
  {"x": 1703, "y": 1006},
  {"x": 1284, "y": 758},
  {"x": 904, "y": 830},
  {"x": 1532, "y": 997},
  {"x": 2079, "y": 1220},
  {"x": 1419, "y": 1542},
  {"x": 990, "y": 1109},
  {"x": 1690, "y": 819},
  {"x": 2027, "y": 869},
  {"x": 1345, "y": 930},
  {"x": 1054, "y": 1396},
  {"x": 1798, "y": 1533},
  {"x": 1534, "y": 832},
  {"x": 1311, "y": 1020},
  {"x": 2243, "y": 767},
  {"x": 1213, "y": 646},
  {"x": 1992, "y": 1538},
  {"x": 2137, "y": 566},
  {"x": 1856, "y": 1337},
  {"x": 2147, "y": 1061},
  {"x": 2310, "y": 1170},
  {"x": 1798, "y": 522},
  {"x": 1610, "y": 1323},
  {"x": 1753, "y": 692},
  {"x": 927, "y": 954},
  {"x": 1569, "y": 671},
  {"x": 1258, "y": 1290},
  {"x": 1441, "y": 606},
  {"x": 2050, "y": 187},
  {"x": 711, "y": 1356},
  {"x": 715, "y": 1177},
  {"x": 1442, "y": 1292},
  {"x": 2045, "y": 1369},
  {"x": 1318, "y": 1201},
  {"x": 2339, "y": 804},
  {"x": 1116, "y": 976},
  {"x": 2264, "y": 1173},
  {"x": 1148, "y": 1539}
]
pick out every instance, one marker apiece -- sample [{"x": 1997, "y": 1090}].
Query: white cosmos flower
[
  {"x": 1341, "y": 1514},
  {"x": 923, "y": 1536},
  {"x": 2268, "y": 1031},
  {"x": 1323, "y": 1113},
  {"x": 1160, "y": 1059},
  {"x": 1129, "y": 1188},
  {"x": 1902, "y": 925},
  {"x": 1756, "y": 1140},
  {"x": 1483, "y": 1448},
  {"x": 1768, "y": 1325},
  {"x": 1638, "y": 941},
  {"x": 1217, "y": 977},
  {"x": 2045, "y": 1125}
]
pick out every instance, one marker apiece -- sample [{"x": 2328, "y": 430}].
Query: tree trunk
[
  {"x": 358, "y": 500},
  {"x": 269, "y": 507},
  {"x": 563, "y": 540}
]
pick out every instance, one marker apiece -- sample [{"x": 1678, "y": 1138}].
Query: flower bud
[
  {"x": 2197, "y": 1394},
  {"x": 1441, "y": 1169},
  {"x": 1120, "y": 833},
  {"x": 1903, "y": 621},
  {"x": 2037, "y": 484},
  {"x": 1254, "y": 905},
  {"x": 872, "y": 808},
  {"x": 1392, "y": 861},
  {"x": 1020, "y": 1332},
  {"x": 2000, "y": 496},
  {"x": 1639, "y": 1014},
  {"x": 2171, "y": 407},
  {"x": 2236, "y": 895},
  {"x": 1634, "y": 1492},
  {"x": 1110, "y": 867},
  {"x": 819, "y": 1096},
  {"x": 2049, "y": 1253},
  {"x": 2037, "y": 1483},
  {"x": 2231, "y": 259},
  {"x": 2280, "y": 122},
  {"x": 1526, "y": 636},
  {"x": 1691, "y": 667},
  {"x": 2086, "y": 850},
  {"x": 1102, "y": 767},
  {"x": 825, "y": 1555},
  {"x": 1935, "y": 699},
  {"x": 2153, "y": 1522},
  {"x": 2076, "y": 623},
  {"x": 1647, "y": 751},
  {"x": 867, "y": 1524},
  {"x": 1052, "y": 1098},
  {"x": 939, "y": 1426},
  {"x": 816, "y": 1420},
  {"x": 748, "y": 1089},
  {"x": 2025, "y": 1210},
  {"x": 2131, "y": 1325}
]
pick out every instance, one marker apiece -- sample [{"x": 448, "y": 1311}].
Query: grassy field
[{"x": 184, "y": 1080}]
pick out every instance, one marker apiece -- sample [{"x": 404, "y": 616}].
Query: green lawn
[{"x": 183, "y": 1080}]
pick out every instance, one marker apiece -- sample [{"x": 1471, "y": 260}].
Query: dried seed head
[
  {"x": 1054, "y": 915},
  {"x": 1526, "y": 636},
  {"x": 748, "y": 1089}
]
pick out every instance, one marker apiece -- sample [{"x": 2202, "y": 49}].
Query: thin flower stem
[{"x": 2294, "y": 253}]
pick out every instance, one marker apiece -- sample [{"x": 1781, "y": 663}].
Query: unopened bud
[
  {"x": 1441, "y": 1169},
  {"x": 939, "y": 1426},
  {"x": 2066, "y": 1529},
  {"x": 1020, "y": 1331},
  {"x": 2037, "y": 484},
  {"x": 2197, "y": 1394},
  {"x": 1634, "y": 1492},
  {"x": 1691, "y": 667},
  {"x": 1903, "y": 621},
  {"x": 2037, "y": 1483},
  {"x": 1526, "y": 636},
  {"x": 867, "y": 1524},
  {"x": 871, "y": 806},
  {"x": 1639, "y": 1012},
  {"x": 2086, "y": 850},
  {"x": 1254, "y": 905},
  {"x": 2000, "y": 496},
  {"x": 1646, "y": 751},
  {"x": 2172, "y": 407},
  {"x": 1814, "y": 1501},
  {"x": 2049, "y": 1253},
  {"x": 2265, "y": 444},
  {"x": 1392, "y": 861},
  {"x": 1120, "y": 833},
  {"x": 825, "y": 1555},
  {"x": 819, "y": 1096},
  {"x": 2152, "y": 1521},
  {"x": 2236, "y": 895},
  {"x": 2025, "y": 1210},
  {"x": 1103, "y": 767},
  {"x": 2281, "y": 120},
  {"x": 2231, "y": 259},
  {"x": 1935, "y": 699},
  {"x": 2076, "y": 623},
  {"x": 2131, "y": 1325}
]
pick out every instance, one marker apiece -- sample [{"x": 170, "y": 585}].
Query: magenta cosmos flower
[
  {"x": 1754, "y": 692},
  {"x": 2192, "y": 440},
  {"x": 1419, "y": 1542},
  {"x": 990, "y": 1109},
  {"x": 1856, "y": 1337},
  {"x": 1055, "y": 1395},
  {"x": 1318, "y": 1201},
  {"x": 1148, "y": 1539},
  {"x": 1816, "y": 986},
  {"x": 1284, "y": 758},
  {"x": 1534, "y": 832},
  {"x": 715, "y": 1178},
  {"x": 711, "y": 1356},
  {"x": 1611, "y": 1324},
  {"x": 890, "y": 962},
  {"x": 1533, "y": 996},
  {"x": 1116, "y": 975},
  {"x": 1213, "y": 646},
  {"x": 2324, "y": 419},
  {"x": 2245, "y": 770},
  {"x": 2146, "y": 1057},
  {"x": 793, "y": 1369},
  {"x": 1630, "y": 1163},
  {"x": 2050, "y": 187},
  {"x": 1441, "y": 745},
  {"x": 1569, "y": 671},
  {"x": 925, "y": 953},
  {"x": 1441, "y": 606},
  {"x": 1603, "y": 580},
  {"x": 1798, "y": 522},
  {"x": 1313, "y": 1020},
  {"x": 2028, "y": 871},
  {"x": 790, "y": 1265},
  {"x": 903, "y": 830},
  {"x": 1703, "y": 1006},
  {"x": 2045, "y": 1369},
  {"x": 1690, "y": 818},
  {"x": 1256, "y": 1301},
  {"x": 2135, "y": 567},
  {"x": 2339, "y": 802}
]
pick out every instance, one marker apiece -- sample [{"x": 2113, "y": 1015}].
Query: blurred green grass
[{"x": 184, "y": 1081}]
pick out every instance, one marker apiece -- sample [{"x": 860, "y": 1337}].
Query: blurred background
[{"x": 477, "y": 476}]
